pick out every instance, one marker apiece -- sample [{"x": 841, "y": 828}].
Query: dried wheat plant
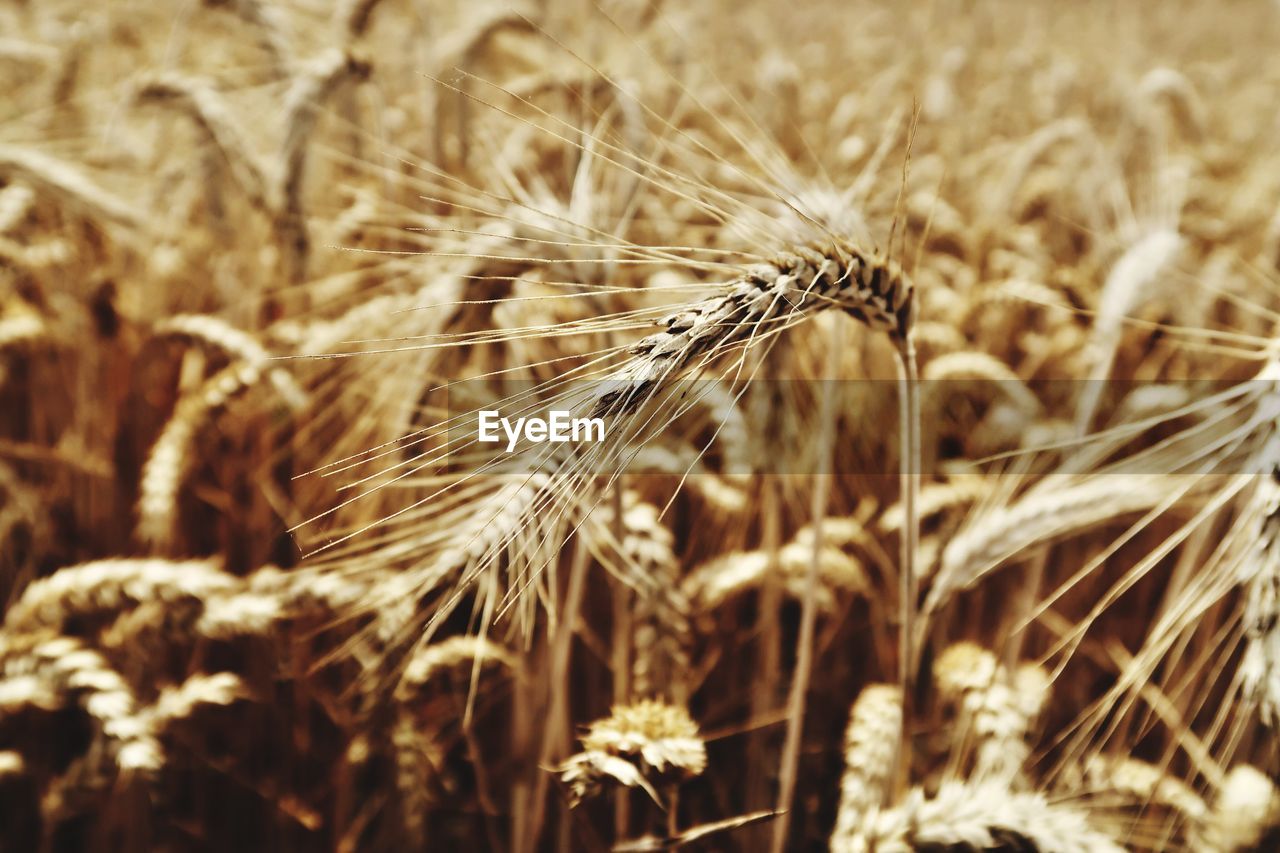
[{"x": 936, "y": 499}]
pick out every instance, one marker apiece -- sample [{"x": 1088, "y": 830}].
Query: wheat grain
[
  {"x": 16, "y": 201},
  {"x": 429, "y": 661},
  {"x": 11, "y": 764},
  {"x": 179, "y": 702},
  {"x": 1146, "y": 783},
  {"x": 713, "y": 583}
]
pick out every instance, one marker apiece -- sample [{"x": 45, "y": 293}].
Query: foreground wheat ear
[{"x": 763, "y": 300}]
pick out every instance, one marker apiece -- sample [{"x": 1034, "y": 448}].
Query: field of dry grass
[{"x": 936, "y": 344}]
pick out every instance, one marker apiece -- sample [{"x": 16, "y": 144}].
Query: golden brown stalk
[{"x": 797, "y": 697}]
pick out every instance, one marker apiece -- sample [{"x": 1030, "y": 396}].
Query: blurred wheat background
[{"x": 1016, "y": 586}]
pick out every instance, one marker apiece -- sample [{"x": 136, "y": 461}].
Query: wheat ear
[
  {"x": 67, "y": 184},
  {"x": 45, "y": 671},
  {"x": 209, "y": 113},
  {"x": 999, "y": 707},
  {"x": 643, "y": 745},
  {"x": 661, "y": 634},
  {"x": 981, "y": 817},
  {"x": 269, "y": 21},
  {"x": 1245, "y": 807},
  {"x": 870, "y": 747},
  {"x": 1260, "y": 669},
  {"x": 1128, "y": 285},
  {"x": 107, "y": 586},
  {"x": 716, "y": 581},
  {"x": 237, "y": 345},
  {"x": 179, "y": 702},
  {"x": 11, "y": 764},
  {"x": 16, "y": 201},
  {"x": 1144, "y": 783},
  {"x": 761, "y": 301},
  {"x": 20, "y": 328},
  {"x": 1040, "y": 516},
  {"x": 172, "y": 454}
]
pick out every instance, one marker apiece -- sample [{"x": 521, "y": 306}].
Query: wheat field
[{"x": 936, "y": 499}]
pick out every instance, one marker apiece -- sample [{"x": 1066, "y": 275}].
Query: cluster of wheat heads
[{"x": 939, "y": 504}]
